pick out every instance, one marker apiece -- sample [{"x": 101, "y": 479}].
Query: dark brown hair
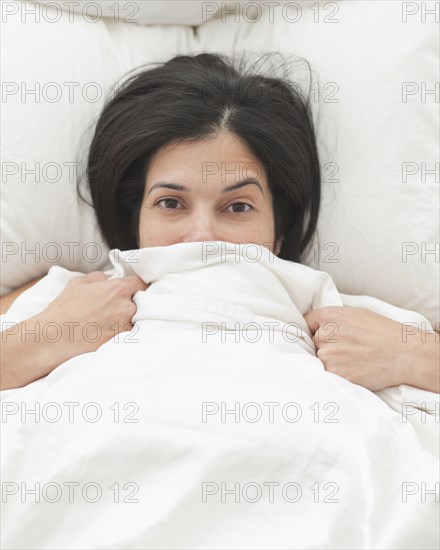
[{"x": 192, "y": 98}]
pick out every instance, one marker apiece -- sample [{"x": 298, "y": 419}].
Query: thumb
[{"x": 313, "y": 320}]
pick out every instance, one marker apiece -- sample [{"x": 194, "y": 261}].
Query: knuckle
[
  {"x": 75, "y": 281},
  {"x": 128, "y": 311},
  {"x": 332, "y": 312},
  {"x": 127, "y": 327},
  {"x": 93, "y": 274},
  {"x": 118, "y": 287},
  {"x": 126, "y": 284}
]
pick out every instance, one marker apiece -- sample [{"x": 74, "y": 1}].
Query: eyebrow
[{"x": 179, "y": 187}]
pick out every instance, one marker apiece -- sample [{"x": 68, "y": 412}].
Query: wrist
[
  {"x": 399, "y": 358},
  {"x": 26, "y": 356},
  {"x": 61, "y": 340},
  {"x": 405, "y": 359},
  {"x": 421, "y": 360}
]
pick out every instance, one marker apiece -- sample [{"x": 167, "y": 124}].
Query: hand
[
  {"x": 359, "y": 345},
  {"x": 92, "y": 309}
]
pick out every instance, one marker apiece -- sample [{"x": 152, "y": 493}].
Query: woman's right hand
[{"x": 92, "y": 309}]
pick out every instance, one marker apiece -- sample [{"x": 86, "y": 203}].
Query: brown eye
[
  {"x": 170, "y": 204},
  {"x": 240, "y": 208}
]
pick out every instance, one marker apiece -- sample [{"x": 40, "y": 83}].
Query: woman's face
[{"x": 214, "y": 190}]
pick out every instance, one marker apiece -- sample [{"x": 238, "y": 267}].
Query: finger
[
  {"x": 135, "y": 284},
  {"x": 320, "y": 317},
  {"x": 313, "y": 319},
  {"x": 317, "y": 339},
  {"x": 92, "y": 277},
  {"x": 95, "y": 277}
]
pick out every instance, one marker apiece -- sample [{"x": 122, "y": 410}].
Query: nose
[{"x": 201, "y": 227}]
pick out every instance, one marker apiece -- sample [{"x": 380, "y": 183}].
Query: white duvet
[{"x": 213, "y": 424}]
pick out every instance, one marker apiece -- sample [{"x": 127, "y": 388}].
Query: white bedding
[{"x": 334, "y": 465}]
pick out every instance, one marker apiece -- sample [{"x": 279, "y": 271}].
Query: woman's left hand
[{"x": 359, "y": 345}]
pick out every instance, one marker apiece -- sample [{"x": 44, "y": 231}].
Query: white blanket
[{"x": 213, "y": 424}]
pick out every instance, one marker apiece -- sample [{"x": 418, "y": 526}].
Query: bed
[{"x": 213, "y": 424}]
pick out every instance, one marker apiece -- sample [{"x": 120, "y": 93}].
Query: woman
[{"x": 197, "y": 150}]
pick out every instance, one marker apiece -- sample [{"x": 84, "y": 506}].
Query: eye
[
  {"x": 241, "y": 208},
  {"x": 169, "y": 204}
]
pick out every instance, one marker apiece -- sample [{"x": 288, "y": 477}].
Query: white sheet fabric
[{"x": 306, "y": 460}]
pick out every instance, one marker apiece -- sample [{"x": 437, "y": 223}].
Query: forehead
[{"x": 222, "y": 159}]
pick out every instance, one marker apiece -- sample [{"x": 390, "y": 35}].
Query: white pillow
[
  {"x": 70, "y": 65},
  {"x": 146, "y": 12},
  {"x": 378, "y": 232}
]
